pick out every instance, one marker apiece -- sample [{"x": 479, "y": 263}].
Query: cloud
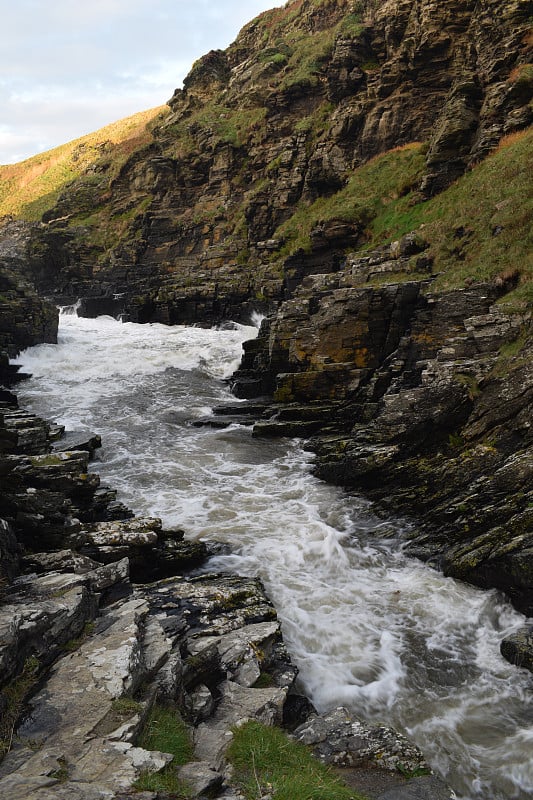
[{"x": 69, "y": 68}]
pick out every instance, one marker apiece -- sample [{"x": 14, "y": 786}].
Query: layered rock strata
[
  {"x": 193, "y": 226},
  {"x": 25, "y": 318},
  {"x": 422, "y": 400}
]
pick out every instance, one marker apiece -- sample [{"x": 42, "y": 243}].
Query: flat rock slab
[
  {"x": 59, "y": 751},
  {"x": 78, "y": 440},
  {"x": 425, "y": 788},
  {"x": 138, "y": 532},
  {"x": 40, "y": 618},
  {"x": 200, "y": 778}
]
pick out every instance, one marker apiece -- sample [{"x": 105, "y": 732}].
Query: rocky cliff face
[
  {"x": 205, "y": 222},
  {"x": 277, "y": 181},
  {"x": 327, "y": 129},
  {"x": 25, "y": 319},
  {"x": 422, "y": 400},
  {"x": 359, "y": 171}
]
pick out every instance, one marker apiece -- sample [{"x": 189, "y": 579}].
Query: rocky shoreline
[
  {"x": 101, "y": 619},
  {"x": 275, "y": 183},
  {"x": 103, "y": 603},
  {"x": 421, "y": 400}
]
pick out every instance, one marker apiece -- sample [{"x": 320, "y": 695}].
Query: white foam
[{"x": 369, "y": 628}]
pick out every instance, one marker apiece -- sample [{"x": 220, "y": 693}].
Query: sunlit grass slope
[{"x": 31, "y": 187}]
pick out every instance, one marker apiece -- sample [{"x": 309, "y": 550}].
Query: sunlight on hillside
[{"x": 29, "y": 188}]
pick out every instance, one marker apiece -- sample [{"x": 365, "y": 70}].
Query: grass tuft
[
  {"x": 367, "y": 195},
  {"x": 266, "y": 762},
  {"x": 166, "y": 731}
]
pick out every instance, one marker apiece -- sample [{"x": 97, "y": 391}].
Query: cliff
[
  {"x": 359, "y": 171},
  {"x": 250, "y": 180}
]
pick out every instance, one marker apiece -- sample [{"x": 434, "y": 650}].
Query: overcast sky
[{"x": 69, "y": 67}]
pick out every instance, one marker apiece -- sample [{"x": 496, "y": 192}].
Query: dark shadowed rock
[{"x": 518, "y": 648}]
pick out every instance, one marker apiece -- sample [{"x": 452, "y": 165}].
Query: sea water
[{"x": 369, "y": 628}]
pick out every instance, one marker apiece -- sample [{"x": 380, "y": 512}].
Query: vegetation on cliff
[
  {"x": 363, "y": 169},
  {"x": 291, "y": 148},
  {"x": 31, "y": 187}
]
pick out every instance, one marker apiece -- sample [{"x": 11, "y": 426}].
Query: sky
[{"x": 69, "y": 67}]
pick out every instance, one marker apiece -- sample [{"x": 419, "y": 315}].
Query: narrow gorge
[{"x": 345, "y": 193}]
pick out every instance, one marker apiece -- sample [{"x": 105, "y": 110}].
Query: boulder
[{"x": 518, "y": 648}]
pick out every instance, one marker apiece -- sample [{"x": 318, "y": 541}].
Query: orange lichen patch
[
  {"x": 518, "y": 72},
  {"x": 512, "y": 138},
  {"x": 361, "y": 358},
  {"x": 423, "y": 338},
  {"x": 527, "y": 39},
  {"x": 401, "y": 148}
]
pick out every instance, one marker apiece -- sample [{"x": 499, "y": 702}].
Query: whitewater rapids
[{"x": 368, "y": 628}]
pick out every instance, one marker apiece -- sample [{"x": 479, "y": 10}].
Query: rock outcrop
[
  {"x": 204, "y": 223},
  {"x": 25, "y": 318},
  {"x": 421, "y": 399}
]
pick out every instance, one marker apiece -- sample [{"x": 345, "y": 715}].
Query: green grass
[
  {"x": 351, "y": 25},
  {"x": 229, "y": 125},
  {"x": 31, "y": 187},
  {"x": 367, "y": 194},
  {"x": 309, "y": 54},
  {"x": 167, "y": 732},
  {"x": 14, "y": 697},
  {"x": 513, "y": 355},
  {"x": 265, "y": 761},
  {"x": 479, "y": 229}
]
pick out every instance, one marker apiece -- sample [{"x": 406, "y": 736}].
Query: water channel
[{"x": 368, "y": 627}]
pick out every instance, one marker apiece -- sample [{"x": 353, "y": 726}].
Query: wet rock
[
  {"x": 341, "y": 739},
  {"x": 201, "y": 780},
  {"x": 377, "y": 761},
  {"x": 169, "y": 553},
  {"x": 425, "y": 788},
  {"x": 78, "y": 441},
  {"x": 59, "y": 561},
  {"x": 518, "y": 648},
  {"x": 9, "y": 554},
  {"x": 31, "y": 433},
  {"x": 138, "y": 532}
]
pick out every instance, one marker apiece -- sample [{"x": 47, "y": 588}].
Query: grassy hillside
[
  {"x": 479, "y": 229},
  {"x": 307, "y": 120},
  {"x": 31, "y": 187}
]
